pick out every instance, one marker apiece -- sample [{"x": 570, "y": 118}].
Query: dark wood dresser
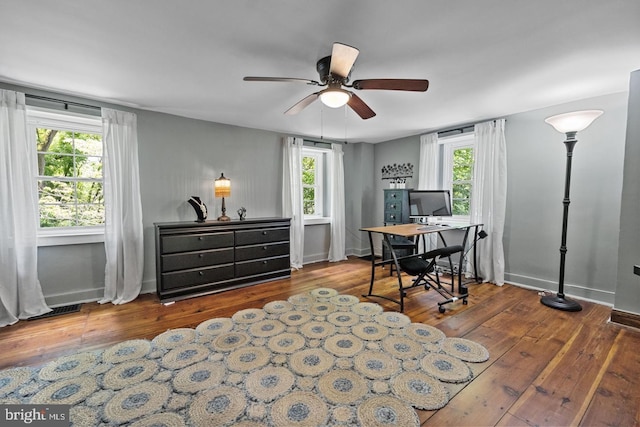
[{"x": 198, "y": 258}]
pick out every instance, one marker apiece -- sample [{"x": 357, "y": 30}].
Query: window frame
[
  {"x": 449, "y": 145},
  {"x": 66, "y": 121},
  {"x": 320, "y": 186}
]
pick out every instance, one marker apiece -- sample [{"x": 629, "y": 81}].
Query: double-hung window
[
  {"x": 314, "y": 185},
  {"x": 458, "y": 172},
  {"x": 68, "y": 179}
]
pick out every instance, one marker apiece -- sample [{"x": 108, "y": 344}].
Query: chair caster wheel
[
  {"x": 441, "y": 309},
  {"x": 465, "y": 302}
]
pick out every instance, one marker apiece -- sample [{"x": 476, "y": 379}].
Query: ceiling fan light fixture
[{"x": 334, "y": 98}]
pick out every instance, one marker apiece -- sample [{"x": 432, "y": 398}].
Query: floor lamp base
[{"x": 560, "y": 303}]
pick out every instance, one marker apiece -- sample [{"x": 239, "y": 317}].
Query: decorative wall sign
[{"x": 397, "y": 173}]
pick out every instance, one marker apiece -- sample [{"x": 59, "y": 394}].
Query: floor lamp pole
[
  {"x": 559, "y": 301},
  {"x": 569, "y": 124}
]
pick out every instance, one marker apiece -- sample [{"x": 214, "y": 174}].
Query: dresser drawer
[
  {"x": 265, "y": 235},
  {"x": 262, "y": 251},
  {"x": 185, "y": 279},
  {"x": 392, "y": 217},
  {"x": 252, "y": 268},
  {"x": 391, "y": 195},
  {"x": 196, "y": 242},
  {"x": 183, "y": 261}
]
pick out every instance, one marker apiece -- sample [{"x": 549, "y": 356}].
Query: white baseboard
[{"x": 575, "y": 291}]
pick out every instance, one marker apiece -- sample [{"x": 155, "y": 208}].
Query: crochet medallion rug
[{"x": 317, "y": 359}]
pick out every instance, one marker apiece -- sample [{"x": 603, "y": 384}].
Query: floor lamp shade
[
  {"x": 569, "y": 124},
  {"x": 222, "y": 188}
]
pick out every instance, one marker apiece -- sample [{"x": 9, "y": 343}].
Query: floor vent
[{"x": 58, "y": 311}]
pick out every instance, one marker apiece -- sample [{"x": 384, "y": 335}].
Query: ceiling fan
[{"x": 334, "y": 74}]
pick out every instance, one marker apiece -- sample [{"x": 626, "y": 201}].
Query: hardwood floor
[{"x": 547, "y": 367}]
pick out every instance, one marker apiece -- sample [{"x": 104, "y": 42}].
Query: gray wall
[
  {"x": 536, "y": 158},
  {"x": 180, "y": 157},
  {"x": 536, "y": 168},
  {"x": 628, "y": 284}
]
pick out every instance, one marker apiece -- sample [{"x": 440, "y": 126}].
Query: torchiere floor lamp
[{"x": 569, "y": 124}]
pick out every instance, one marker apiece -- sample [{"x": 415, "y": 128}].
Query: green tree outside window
[
  {"x": 70, "y": 191},
  {"x": 462, "y": 180}
]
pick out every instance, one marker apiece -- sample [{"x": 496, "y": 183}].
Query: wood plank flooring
[{"x": 547, "y": 367}]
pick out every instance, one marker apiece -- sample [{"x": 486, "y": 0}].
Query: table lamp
[{"x": 222, "y": 187}]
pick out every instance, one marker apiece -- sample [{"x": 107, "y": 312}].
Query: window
[
  {"x": 314, "y": 185},
  {"x": 69, "y": 174},
  {"x": 458, "y": 172}
]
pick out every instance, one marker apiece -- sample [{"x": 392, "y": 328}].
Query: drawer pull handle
[
  {"x": 392, "y": 216},
  {"x": 264, "y": 262},
  {"x": 201, "y": 273},
  {"x": 201, "y": 255},
  {"x": 264, "y": 248},
  {"x": 393, "y": 195},
  {"x": 264, "y": 233},
  {"x": 392, "y": 206},
  {"x": 200, "y": 238}
]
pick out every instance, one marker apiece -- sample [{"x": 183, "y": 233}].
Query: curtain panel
[
  {"x": 123, "y": 208},
  {"x": 337, "y": 245},
  {"x": 488, "y": 199},
  {"x": 292, "y": 197},
  {"x": 428, "y": 175},
  {"x": 21, "y": 295}
]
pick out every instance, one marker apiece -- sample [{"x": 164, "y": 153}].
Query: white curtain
[
  {"x": 123, "y": 209},
  {"x": 337, "y": 246},
  {"x": 488, "y": 199},
  {"x": 428, "y": 172},
  {"x": 20, "y": 292},
  {"x": 292, "y": 196},
  {"x": 428, "y": 175}
]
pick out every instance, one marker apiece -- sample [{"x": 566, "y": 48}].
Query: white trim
[
  {"x": 310, "y": 220},
  {"x": 450, "y": 144},
  {"x": 73, "y": 122},
  {"x": 320, "y": 187},
  {"x": 40, "y": 117}
]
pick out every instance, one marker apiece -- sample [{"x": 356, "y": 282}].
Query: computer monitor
[{"x": 425, "y": 203}]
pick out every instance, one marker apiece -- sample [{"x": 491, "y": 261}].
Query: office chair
[{"x": 423, "y": 267}]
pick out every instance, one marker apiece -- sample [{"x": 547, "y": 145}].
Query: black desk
[{"x": 411, "y": 231}]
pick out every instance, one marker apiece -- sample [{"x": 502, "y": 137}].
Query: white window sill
[
  {"x": 70, "y": 237},
  {"x": 317, "y": 221}
]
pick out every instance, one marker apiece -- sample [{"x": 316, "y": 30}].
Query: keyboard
[{"x": 431, "y": 228}]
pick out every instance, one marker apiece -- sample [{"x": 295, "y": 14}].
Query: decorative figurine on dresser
[{"x": 199, "y": 207}]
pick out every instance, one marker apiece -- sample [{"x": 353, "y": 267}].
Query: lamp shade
[
  {"x": 573, "y": 122},
  {"x": 334, "y": 98},
  {"x": 222, "y": 186}
]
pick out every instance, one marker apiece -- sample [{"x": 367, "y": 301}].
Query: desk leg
[
  {"x": 373, "y": 272},
  {"x": 463, "y": 289},
  {"x": 398, "y": 272},
  {"x": 373, "y": 264},
  {"x": 475, "y": 255}
]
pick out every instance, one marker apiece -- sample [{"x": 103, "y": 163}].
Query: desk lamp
[
  {"x": 569, "y": 124},
  {"x": 222, "y": 187}
]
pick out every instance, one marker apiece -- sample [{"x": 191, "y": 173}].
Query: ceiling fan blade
[
  {"x": 360, "y": 107},
  {"x": 392, "y": 84},
  {"x": 342, "y": 59},
  {"x": 280, "y": 79},
  {"x": 302, "y": 104}
]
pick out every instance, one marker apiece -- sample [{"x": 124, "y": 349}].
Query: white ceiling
[{"x": 484, "y": 58}]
